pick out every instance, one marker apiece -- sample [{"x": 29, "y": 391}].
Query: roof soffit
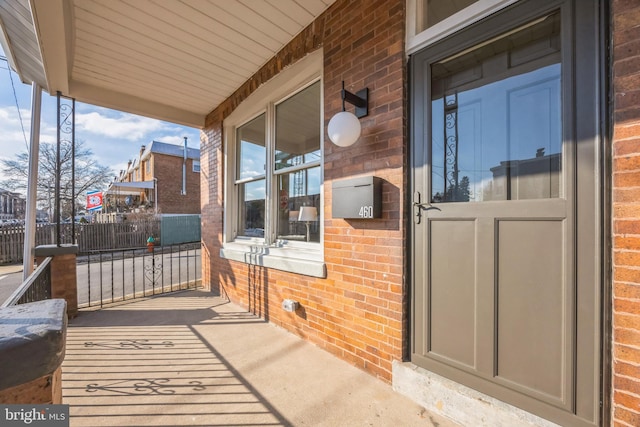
[{"x": 169, "y": 60}]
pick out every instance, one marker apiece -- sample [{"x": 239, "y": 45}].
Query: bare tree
[{"x": 89, "y": 175}]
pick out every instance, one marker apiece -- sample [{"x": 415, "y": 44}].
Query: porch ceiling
[{"x": 167, "y": 59}]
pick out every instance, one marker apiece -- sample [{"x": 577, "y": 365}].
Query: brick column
[
  {"x": 63, "y": 273},
  {"x": 41, "y": 391},
  {"x": 32, "y": 348},
  {"x": 626, "y": 213}
]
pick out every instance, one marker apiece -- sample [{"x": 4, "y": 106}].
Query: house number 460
[{"x": 366, "y": 212}]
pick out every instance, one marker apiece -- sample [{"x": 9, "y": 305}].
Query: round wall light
[{"x": 344, "y": 129}]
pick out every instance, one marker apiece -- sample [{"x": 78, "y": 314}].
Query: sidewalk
[
  {"x": 9, "y": 269},
  {"x": 8, "y": 283},
  {"x": 193, "y": 359}
]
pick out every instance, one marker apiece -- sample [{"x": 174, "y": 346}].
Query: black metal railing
[
  {"x": 111, "y": 276},
  {"x": 37, "y": 287}
]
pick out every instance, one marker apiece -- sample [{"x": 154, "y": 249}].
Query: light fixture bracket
[{"x": 359, "y": 99}]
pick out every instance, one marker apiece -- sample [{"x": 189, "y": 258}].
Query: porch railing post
[
  {"x": 32, "y": 184},
  {"x": 64, "y": 282}
]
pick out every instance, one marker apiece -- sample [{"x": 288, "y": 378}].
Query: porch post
[{"x": 32, "y": 183}]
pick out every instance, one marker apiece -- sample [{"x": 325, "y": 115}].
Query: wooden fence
[{"x": 89, "y": 237}]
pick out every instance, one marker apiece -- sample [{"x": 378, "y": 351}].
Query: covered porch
[{"x": 192, "y": 358}]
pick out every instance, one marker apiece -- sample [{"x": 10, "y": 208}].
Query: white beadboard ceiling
[{"x": 174, "y": 60}]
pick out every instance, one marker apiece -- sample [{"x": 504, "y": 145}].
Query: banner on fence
[{"x": 94, "y": 201}]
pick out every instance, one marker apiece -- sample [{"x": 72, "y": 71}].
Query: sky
[{"x": 113, "y": 136}]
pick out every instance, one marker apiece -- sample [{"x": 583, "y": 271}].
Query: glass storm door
[{"x": 505, "y": 256}]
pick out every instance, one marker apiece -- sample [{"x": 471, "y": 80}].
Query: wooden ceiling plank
[
  {"x": 89, "y": 70},
  {"x": 207, "y": 29},
  {"x": 197, "y": 39},
  {"x": 115, "y": 24},
  {"x": 109, "y": 98},
  {"x": 264, "y": 36},
  {"x": 254, "y": 20},
  {"x": 101, "y": 37},
  {"x": 124, "y": 77},
  {"x": 152, "y": 91},
  {"x": 315, "y": 7},
  {"x": 293, "y": 10},
  {"x": 274, "y": 16},
  {"x": 137, "y": 60},
  {"x": 21, "y": 41}
]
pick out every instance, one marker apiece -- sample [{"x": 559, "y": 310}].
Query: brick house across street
[
  {"x": 168, "y": 172},
  {"x": 471, "y": 237},
  {"x": 12, "y": 205}
]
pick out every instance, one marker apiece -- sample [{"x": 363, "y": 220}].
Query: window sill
[{"x": 284, "y": 259}]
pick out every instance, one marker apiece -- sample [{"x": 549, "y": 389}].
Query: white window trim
[
  {"x": 296, "y": 257},
  {"x": 475, "y": 12},
  {"x": 193, "y": 166}
]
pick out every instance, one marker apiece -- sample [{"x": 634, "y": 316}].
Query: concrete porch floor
[{"x": 194, "y": 359}]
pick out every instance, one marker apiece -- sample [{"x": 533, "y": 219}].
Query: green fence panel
[{"x": 179, "y": 229}]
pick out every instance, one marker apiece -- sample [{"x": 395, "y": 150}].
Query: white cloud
[
  {"x": 13, "y": 139},
  {"x": 179, "y": 140},
  {"x": 121, "y": 126}
]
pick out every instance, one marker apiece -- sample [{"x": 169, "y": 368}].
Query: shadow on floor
[
  {"x": 144, "y": 364},
  {"x": 193, "y": 359}
]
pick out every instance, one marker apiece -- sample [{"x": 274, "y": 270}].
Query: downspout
[
  {"x": 32, "y": 182},
  {"x": 155, "y": 191},
  {"x": 184, "y": 169}
]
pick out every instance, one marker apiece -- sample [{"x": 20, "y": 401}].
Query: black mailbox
[{"x": 357, "y": 198}]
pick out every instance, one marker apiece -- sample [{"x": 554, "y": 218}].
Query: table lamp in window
[{"x": 307, "y": 215}]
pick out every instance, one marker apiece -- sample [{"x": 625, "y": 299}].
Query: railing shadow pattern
[{"x": 121, "y": 371}]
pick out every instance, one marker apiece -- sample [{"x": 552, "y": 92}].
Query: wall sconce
[
  {"x": 308, "y": 214},
  {"x": 344, "y": 128}
]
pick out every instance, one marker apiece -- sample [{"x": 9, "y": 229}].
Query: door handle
[
  {"x": 420, "y": 206},
  {"x": 418, "y": 213}
]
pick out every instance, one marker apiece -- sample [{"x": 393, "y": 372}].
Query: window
[
  {"x": 435, "y": 11},
  {"x": 148, "y": 166},
  {"x": 496, "y": 118},
  {"x": 431, "y": 20},
  {"x": 196, "y": 166},
  {"x": 291, "y": 182},
  {"x": 273, "y": 160}
]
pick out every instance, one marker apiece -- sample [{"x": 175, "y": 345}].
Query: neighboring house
[
  {"x": 12, "y": 205},
  {"x": 161, "y": 170},
  {"x": 496, "y": 277}
]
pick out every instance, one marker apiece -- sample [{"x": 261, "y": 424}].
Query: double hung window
[{"x": 278, "y": 174}]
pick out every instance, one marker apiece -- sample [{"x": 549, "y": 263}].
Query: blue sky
[{"x": 113, "y": 136}]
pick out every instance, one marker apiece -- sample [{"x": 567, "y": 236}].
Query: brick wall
[
  {"x": 168, "y": 171},
  {"x": 626, "y": 213},
  {"x": 357, "y": 312}
]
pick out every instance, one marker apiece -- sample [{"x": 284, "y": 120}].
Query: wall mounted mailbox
[{"x": 357, "y": 198}]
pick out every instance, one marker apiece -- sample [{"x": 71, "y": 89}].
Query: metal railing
[
  {"x": 37, "y": 287},
  {"x": 118, "y": 275}
]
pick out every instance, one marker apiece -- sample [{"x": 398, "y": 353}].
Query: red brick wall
[
  {"x": 168, "y": 171},
  {"x": 626, "y": 213},
  {"x": 357, "y": 312}
]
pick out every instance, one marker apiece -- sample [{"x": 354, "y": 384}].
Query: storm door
[{"x": 505, "y": 258}]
